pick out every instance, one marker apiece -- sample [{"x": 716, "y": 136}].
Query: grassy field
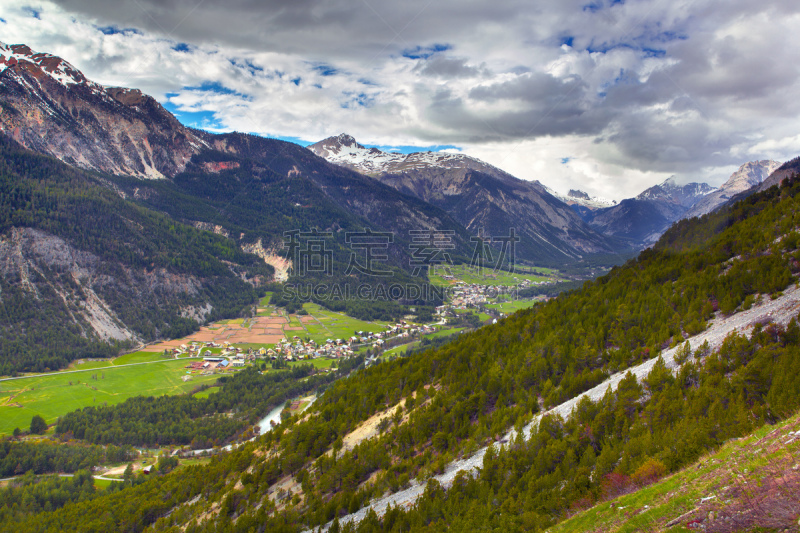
[
  {"x": 512, "y": 306},
  {"x": 326, "y": 324},
  {"x": 55, "y": 394},
  {"x": 488, "y": 277},
  {"x": 443, "y": 333},
  {"x": 207, "y": 392}
]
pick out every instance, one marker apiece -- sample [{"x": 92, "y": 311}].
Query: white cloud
[{"x": 644, "y": 90}]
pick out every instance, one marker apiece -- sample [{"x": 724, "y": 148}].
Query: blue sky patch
[
  {"x": 114, "y": 30},
  {"x": 215, "y": 87},
  {"x": 249, "y": 66},
  {"x": 565, "y": 160},
  {"x": 325, "y": 69},
  {"x": 181, "y": 47},
  {"x": 424, "y": 52},
  {"x": 357, "y": 100},
  {"x": 645, "y": 51},
  {"x": 202, "y": 120},
  {"x": 35, "y": 13},
  {"x": 568, "y": 40}
]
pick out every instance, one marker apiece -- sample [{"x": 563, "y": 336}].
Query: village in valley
[
  {"x": 269, "y": 340},
  {"x": 275, "y": 339},
  {"x": 294, "y": 349}
]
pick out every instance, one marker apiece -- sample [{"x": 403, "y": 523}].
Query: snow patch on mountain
[
  {"x": 346, "y": 151},
  {"x": 749, "y": 175},
  {"x": 578, "y": 197},
  {"x": 53, "y": 66},
  {"x": 685, "y": 195}
]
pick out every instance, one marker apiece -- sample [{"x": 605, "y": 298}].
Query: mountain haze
[{"x": 643, "y": 219}]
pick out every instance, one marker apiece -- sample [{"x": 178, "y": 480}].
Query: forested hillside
[
  {"x": 85, "y": 272},
  {"x": 459, "y": 397},
  {"x": 273, "y": 188}
]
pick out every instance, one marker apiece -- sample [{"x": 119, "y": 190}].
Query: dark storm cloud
[{"x": 337, "y": 28}]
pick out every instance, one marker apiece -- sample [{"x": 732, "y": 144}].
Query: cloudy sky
[{"x": 608, "y": 96}]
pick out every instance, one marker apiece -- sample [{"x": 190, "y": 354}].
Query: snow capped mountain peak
[
  {"x": 346, "y": 140},
  {"x": 578, "y": 197},
  {"x": 48, "y": 64},
  {"x": 669, "y": 190},
  {"x": 344, "y": 150},
  {"x": 670, "y": 183},
  {"x": 749, "y": 175}
]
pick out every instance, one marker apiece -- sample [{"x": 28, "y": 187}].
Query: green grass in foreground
[
  {"x": 726, "y": 481},
  {"x": 52, "y": 395}
]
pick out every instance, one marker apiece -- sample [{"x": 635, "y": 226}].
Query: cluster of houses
[
  {"x": 464, "y": 295},
  {"x": 297, "y": 348},
  {"x": 294, "y": 349}
]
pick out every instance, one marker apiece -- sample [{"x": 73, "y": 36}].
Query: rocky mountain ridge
[
  {"x": 344, "y": 150},
  {"x": 641, "y": 220},
  {"x": 50, "y": 107},
  {"x": 749, "y": 175},
  {"x": 485, "y": 199}
]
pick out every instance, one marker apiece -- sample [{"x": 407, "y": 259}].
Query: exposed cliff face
[
  {"x": 50, "y": 107},
  {"x": 88, "y": 288},
  {"x": 786, "y": 170},
  {"x": 748, "y": 176}
]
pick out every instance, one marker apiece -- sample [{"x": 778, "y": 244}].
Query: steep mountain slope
[
  {"x": 749, "y": 175},
  {"x": 440, "y": 407},
  {"x": 732, "y": 489},
  {"x": 646, "y": 217},
  {"x": 82, "y": 270},
  {"x": 781, "y": 173},
  {"x": 50, "y": 107},
  {"x": 481, "y": 197}
]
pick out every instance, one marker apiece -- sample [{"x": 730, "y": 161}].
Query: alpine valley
[{"x": 661, "y": 395}]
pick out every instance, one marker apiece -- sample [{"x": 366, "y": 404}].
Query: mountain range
[
  {"x": 480, "y": 196},
  {"x": 123, "y": 148}
]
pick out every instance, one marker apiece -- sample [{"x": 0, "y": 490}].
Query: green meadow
[
  {"x": 512, "y": 306},
  {"x": 331, "y": 325},
  {"x": 55, "y": 394},
  {"x": 487, "y": 276}
]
